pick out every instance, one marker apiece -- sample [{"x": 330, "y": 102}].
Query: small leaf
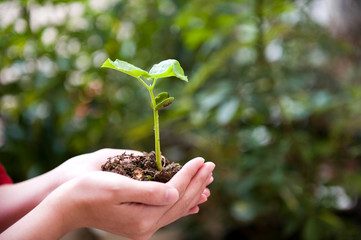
[
  {"x": 125, "y": 68},
  {"x": 161, "y": 96},
  {"x": 168, "y": 68},
  {"x": 166, "y": 102}
]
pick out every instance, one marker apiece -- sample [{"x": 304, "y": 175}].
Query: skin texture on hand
[
  {"x": 18, "y": 199},
  {"x": 112, "y": 202}
]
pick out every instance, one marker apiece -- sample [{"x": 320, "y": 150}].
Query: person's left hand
[{"x": 84, "y": 163}]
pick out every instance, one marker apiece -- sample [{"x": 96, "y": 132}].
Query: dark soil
[{"x": 143, "y": 168}]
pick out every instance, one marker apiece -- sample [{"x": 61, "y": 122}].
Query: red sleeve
[{"x": 4, "y": 178}]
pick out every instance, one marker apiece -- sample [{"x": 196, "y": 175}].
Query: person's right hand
[{"x": 137, "y": 209}]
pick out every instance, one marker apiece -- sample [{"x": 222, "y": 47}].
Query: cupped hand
[
  {"x": 88, "y": 162},
  {"x": 131, "y": 208}
]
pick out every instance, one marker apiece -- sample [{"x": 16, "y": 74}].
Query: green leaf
[
  {"x": 166, "y": 102},
  {"x": 126, "y": 68},
  {"x": 168, "y": 68},
  {"x": 161, "y": 96}
]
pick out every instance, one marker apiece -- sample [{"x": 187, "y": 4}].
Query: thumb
[{"x": 150, "y": 193}]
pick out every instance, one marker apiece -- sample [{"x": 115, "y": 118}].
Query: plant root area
[{"x": 141, "y": 167}]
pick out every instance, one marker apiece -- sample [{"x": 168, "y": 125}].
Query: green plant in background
[{"x": 166, "y": 68}]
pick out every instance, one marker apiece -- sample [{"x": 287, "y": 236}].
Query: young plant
[{"x": 166, "y": 68}]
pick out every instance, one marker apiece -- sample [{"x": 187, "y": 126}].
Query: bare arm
[{"x": 18, "y": 199}]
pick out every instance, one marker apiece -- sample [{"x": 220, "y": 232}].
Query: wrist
[
  {"x": 48, "y": 220},
  {"x": 60, "y": 211},
  {"x": 64, "y": 207}
]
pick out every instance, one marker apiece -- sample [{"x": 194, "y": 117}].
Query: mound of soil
[{"x": 143, "y": 168}]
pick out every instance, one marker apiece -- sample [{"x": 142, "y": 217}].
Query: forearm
[
  {"x": 18, "y": 199},
  {"x": 48, "y": 220}
]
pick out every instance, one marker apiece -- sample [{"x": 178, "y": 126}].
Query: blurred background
[{"x": 274, "y": 99}]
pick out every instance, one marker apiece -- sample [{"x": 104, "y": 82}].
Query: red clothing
[{"x": 4, "y": 178}]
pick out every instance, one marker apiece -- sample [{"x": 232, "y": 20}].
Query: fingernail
[
  {"x": 210, "y": 179},
  {"x": 172, "y": 195},
  {"x": 210, "y": 166},
  {"x": 202, "y": 199},
  {"x": 207, "y": 192}
]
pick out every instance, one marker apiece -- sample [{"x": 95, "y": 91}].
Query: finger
[
  {"x": 198, "y": 186},
  {"x": 181, "y": 180},
  {"x": 101, "y": 156},
  {"x": 210, "y": 180},
  {"x": 191, "y": 195},
  {"x": 202, "y": 199},
  {"x": 193, "y": 210},
  {"x": 204, "y": 196},
  {"x": 149, "y": 193},
  {"x": 206, "y": 192},
  {"x": 110, "y": 152}
]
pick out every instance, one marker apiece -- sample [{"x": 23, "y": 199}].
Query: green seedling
[{"x": 166, "y": 68}]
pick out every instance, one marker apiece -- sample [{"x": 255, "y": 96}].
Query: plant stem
[
  {"x": 157, "y": 140},
  {"x": 156, "y": 128}
]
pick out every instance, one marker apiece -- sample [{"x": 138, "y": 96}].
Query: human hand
[
  {"x": 127, "y": 207},
  {"x": 18, "y": 199},
  {"x": 84, "y": 163}
]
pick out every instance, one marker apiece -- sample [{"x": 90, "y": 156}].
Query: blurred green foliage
[{"x": 273, "y": 100}]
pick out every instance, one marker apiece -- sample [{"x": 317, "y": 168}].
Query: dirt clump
[{"x": 141, "y": 167}]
